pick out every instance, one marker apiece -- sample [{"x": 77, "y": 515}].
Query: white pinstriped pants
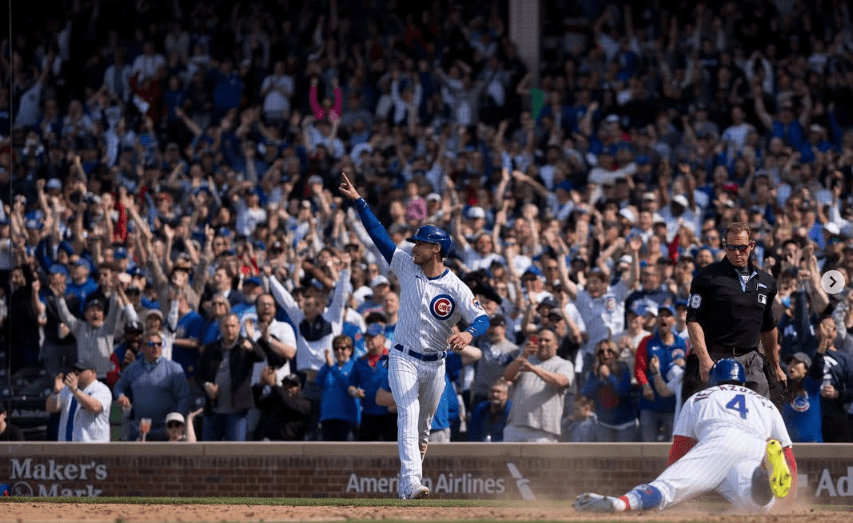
[
  {"x": 724, "y": 464},
  {"x": 417, "y": 387}
]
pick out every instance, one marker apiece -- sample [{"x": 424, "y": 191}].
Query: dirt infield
[{"x": 112, "y": 513}]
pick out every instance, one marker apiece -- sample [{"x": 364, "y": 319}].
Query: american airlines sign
[{"x": 465, "y": 483}]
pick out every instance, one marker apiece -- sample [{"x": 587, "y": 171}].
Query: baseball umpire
[
  {"x": 729, "y": 311},
  {"x": 432, "y": 301}
]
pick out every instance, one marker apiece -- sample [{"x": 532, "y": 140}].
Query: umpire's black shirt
[{"x": 730, "y": 311}]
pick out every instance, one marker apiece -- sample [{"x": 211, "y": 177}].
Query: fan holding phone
[{"x": 540, "y": 379}]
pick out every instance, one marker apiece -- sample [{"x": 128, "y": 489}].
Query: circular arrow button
[{"x": 832, "y": 282}]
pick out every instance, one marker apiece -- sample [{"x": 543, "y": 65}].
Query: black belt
[
  {"x": 732, "y": 351},
  {"x": 434, "y": 356}
]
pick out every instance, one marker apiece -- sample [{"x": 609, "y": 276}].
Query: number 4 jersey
[{"x": 725, "y": 411}]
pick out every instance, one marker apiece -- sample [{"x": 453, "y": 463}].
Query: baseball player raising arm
[
  {"x": 432, "y": 301},
  {"x": 728, "y": 438}
]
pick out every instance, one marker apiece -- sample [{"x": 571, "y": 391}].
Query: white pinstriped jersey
[
  {"x": 725, "y": 410},
  {"x": 731, "y": 424},
  {"x": 430, "y": 307}
]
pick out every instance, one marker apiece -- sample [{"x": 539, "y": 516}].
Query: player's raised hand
[{"x": 347, "y": 188}]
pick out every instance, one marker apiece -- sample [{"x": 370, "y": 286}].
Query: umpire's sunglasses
[{"x": 741, "y": 248}]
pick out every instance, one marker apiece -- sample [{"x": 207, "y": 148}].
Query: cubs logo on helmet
[
  {"x": 726, "y": 370},
  {"x": 433, "y": 234},
  {"x": 442, "y": 306}
]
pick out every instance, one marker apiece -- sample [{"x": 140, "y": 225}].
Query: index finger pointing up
[{"x": 347, "y": 187}]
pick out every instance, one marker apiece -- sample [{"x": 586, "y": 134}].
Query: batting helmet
[
  {"x": 726, "y": 370},
  {"x": 433, "y": 234}
]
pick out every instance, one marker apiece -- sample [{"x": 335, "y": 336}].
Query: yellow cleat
[{"x": 777, "y": 469}]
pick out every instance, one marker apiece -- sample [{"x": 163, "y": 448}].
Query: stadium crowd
[{"x": 171, "y": 226}]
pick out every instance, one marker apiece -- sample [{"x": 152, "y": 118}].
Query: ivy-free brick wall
[{"x": 454, "y": 470}]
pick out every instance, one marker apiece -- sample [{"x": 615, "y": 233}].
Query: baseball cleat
[
  {"x": 417, "y": 492},
  {"x": 777, "y": 468},
  {"x": 590, "y": 502}
]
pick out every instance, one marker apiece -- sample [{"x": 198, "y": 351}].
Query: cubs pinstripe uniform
[
  {"x": 730, "y": 417},
  {"x": 756, "y": 466},
  {"x": 429, "y": 308}
]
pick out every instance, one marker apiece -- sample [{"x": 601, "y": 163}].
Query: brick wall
[{"x": 456, "y": 470}]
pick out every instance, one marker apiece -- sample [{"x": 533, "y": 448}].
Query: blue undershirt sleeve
[
  {"x": 375, "y": 229},
  {"x": 478, "y": 326}
]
